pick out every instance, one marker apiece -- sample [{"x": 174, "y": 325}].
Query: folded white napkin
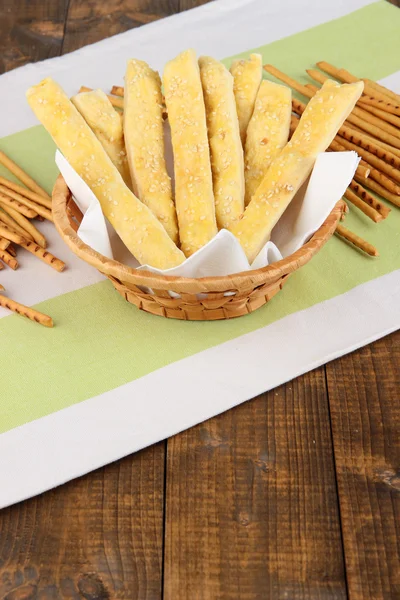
[{"x": 223, "y": 255}]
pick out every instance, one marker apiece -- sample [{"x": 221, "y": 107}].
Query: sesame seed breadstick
[
  {"x": 225, "y": 144},
  {"x": 318, "y": 125},
  {"x": 144, "y": 140},
  {"x": 116, "y": 102},
  {"x": 267, "y": 133},
  {"x": 194, "y": 195},
  {"x": 247, "y": 76},
  {"x": 106, "y": 124},
  {"x": 27, "y": 228},
  {"x": 138, "y": 228}
]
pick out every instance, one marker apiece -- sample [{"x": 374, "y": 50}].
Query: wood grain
[
  {"x": 251, "y": 505},
  {"x": 90, "y": 20},
  {"x": 364, "y": 392},
  {"x": 98, "y": 537},
  {"x": 30, "y": 30}
]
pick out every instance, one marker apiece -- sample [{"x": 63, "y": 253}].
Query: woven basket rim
[{"x": 238, "y": 281}]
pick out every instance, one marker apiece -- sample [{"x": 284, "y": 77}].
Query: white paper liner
[{"x": 223, "y": 255}]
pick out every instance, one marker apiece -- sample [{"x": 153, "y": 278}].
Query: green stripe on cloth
[{"x": 101, "y": 342}]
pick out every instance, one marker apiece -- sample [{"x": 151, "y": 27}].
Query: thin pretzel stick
[
  {"x": 25, "y": 192},
  {"x": 369, "y": 199},
  {"x": 45, "y": 256},
  {"x": 25, "y": 311},
  {"x": 379, "y": 189},
  {"x": 117, "y": 90},
  {"x": 35, "y": 208},
  {"x": 347, "y": 77},
  {"x": 289, "y": 81},
  {"x": 22, "y": 176},
  {"x": 381, "y": 114},
  {"x": 369, "y": 144},
  {"x": 373, "y": 160},
  {"x": 10, "y": 235},
  {"x": 4, "y": 244},
  {"x": 11, "y": 250},
  {"x": 13, "y": 225},
  {"x": 384, "y": 90},
  {"x": 393, "y": 109},
  {"x": 116, "y": 102},
  {"x": 9, "y": 260},
  {"x": 363, "y": 206},
  {"x": 356, "y": 240},
  {"x": 27, "y": 227},
  {"x": 16, "y": 205}
]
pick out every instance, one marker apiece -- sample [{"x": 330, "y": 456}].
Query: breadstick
[
  {"x": 144, "y": 140},
  {"x": 106, "y": 125},
  {"x": 372, "y": 159},
  {"x": 370, "y": 144},
  {"x": 6, "y": 219},
  {"x": 117, "y": 90},
  {"x": 347, "y": 77},
  {"x": 194, "y": 195},
  {"x": 4, "y": 244},
  {"x": 25, "y": 311},
  {"x": 27, "y": 228},
  {"x": 143, "y": 235},
  {"x": 247, "y": 76},
  {"x": 25, "y": 192},
  {"x": 7, "y": 233},
  {"x": 26, "y": 207},
  {"x": 227, "y": 162},
  {"x": 298, "y": 87},
  {"x": 44, "y": 255},
  {"x": 318, "y": 125},
  {"x": 369, "y": 199},
  {"x": 369, "y": 118},
  {"x": 1, "y": 268},
  {"x": 356, "y": 240},
  {"x": 116, "y": 102},
  {"x": 363, "y": 206},
  {"x": 376, "y": 187},
  {"x": 381, "y": 114},
  {"x": 11, "y": 250},
  {"x": 22, "y": 176},
  {"x": 9, "y": 260},
  {"x": 267, "y": 133},
  {"x": 6, "y": 200},
  {"x": 384, "y": 90},
  {"x": 393, "y": 109}
]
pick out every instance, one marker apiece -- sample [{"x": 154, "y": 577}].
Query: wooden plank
[
  {"x": 364, "y": 392},
  {"x": 98, "y": 537},
  {"x": 90, "y": 20},
  {"x": 251, "y": 504},
  {"x": 30, "y": 31}
]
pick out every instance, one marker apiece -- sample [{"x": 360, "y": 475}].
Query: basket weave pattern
[{"x": 203, "y": 299}]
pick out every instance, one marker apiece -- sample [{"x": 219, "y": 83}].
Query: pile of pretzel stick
[
  {"x": 372, "y": 130},
  {"x": 21, "y": 204}
]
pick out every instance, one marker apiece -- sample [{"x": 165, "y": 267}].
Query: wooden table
[{"x": 295, "y": 494}]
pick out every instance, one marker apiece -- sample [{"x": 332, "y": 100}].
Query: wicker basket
[{"x": 247, "y": 290}]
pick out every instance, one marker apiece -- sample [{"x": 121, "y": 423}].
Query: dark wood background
[{"x": 295, "y": 494}]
